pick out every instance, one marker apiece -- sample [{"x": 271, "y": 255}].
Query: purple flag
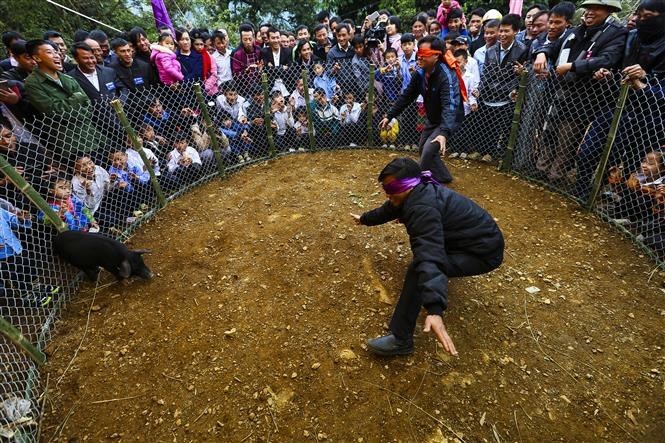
[{"x": 161, "y": 14}]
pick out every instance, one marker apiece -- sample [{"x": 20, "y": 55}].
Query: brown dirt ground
[{"x": 264, "y": 285}]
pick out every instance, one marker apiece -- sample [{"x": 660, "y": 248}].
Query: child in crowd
[
  {"x": 156, "y": 143},
  {"x": 390, "y": 76},
  {"x": 282, "y": 121},
  {"x": 325, "y": 82},
  {"x": 470, "y": 81},
  {"x": 302, "y": 129},
  {"x": 639, "y": 201},
  {"x": 124, "y": 176},
  {"x": 69, "y": 208},
  {"x": 443, "y": 12},
  {"x": 164, "y": 57},
  {"x": 388, "y": 135},
  {"x": 297, "y": 97},
  {"x": 360, "y": 62},
  {"x": 326, "y": 119},
  {"x": 18, "y": 267},
  {"x": 256, "y": 124},
  {"x": 232, "y": 103},
  {"x": 454, "y": 23},
  {"x": 222, "y": 58},
  {"x": 238, "y": 135},
  {"x": 90, "y": 183},
  {"x": 134, "y": 160},
  {"x": 349, "y": 114},
  {"x": 184, "y": 161}
]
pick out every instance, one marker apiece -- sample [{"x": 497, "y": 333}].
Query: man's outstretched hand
[
  {"x": 435, "y": 323},
  {"x": 356, "y": 218}
]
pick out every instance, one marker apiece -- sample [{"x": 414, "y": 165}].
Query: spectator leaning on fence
[{"x": 596, "y": 44}]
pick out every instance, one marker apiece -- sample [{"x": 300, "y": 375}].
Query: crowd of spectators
[{"x": 94, "y": 179}]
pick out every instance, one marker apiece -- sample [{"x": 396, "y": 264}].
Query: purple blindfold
[{"x": 404, "y": 184}]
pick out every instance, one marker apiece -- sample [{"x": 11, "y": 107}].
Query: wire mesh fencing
[{"x": 108, "y": 166}]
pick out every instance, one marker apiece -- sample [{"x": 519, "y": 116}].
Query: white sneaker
[
  {"x": 240, "y": 158},
  {"x": 292, "y": 150},
  {"x": 353, "y": 145},
  {"x": 463, "y": 155},
  {"x": 301, "y": 149},
  {"x": 454, "y": 155},
  {"x": 384, "y": 145},
  {"x": 247, "y": 157},
  {"x": 392, "y": 146}
]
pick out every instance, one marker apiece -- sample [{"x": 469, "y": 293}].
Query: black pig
[{"x": 90, "y": 251}]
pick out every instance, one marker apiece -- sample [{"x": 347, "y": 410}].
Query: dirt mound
[{"x": 254, "y": 328}]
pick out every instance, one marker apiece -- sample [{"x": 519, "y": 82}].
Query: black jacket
[
  {"x": 108, "y": 83},
  {"x": 650, "y": 56},
  {"x": 499, "y": 78},
  {"x": 22, "y": 110},
  {"x": 137, "y": 76},
  {"x": 439, "y": 222},
  {"x": 590, "y": 48},
  {"x": 284, "y": 57},
  {"x": 442, "y": 98}
]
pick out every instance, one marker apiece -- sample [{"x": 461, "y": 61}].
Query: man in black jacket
[
  {"x": 439, "y": 86},
  {"x": 133, "y": 73},
  {"x": 450, "y": 236},
  {"x": 96, "y": 81}
]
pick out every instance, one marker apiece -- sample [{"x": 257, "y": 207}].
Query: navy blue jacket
[
  {"x": 442, "y": 98},
  {"x": 439, "y": 222}
]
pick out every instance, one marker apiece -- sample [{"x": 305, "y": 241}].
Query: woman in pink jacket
[{"x": 164, "y": 57}]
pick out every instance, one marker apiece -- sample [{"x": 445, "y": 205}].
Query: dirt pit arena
[{"x": 253, "y": 329}]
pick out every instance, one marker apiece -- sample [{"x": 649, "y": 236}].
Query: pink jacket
[
  {"x": 442, "y": 14},
  {"x": 168, "y": 66}
]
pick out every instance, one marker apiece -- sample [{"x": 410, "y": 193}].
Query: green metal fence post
[
  {"x": 507, "y": 162},
  {"x": 266, "y": 114},
  {"x": 310, "y": 122},
  {"x": 117, "y": 106},
  {"x": 609, "y": 143},
  {"x": 30, "y": 192},
  {"x": 370, "y": 107},
  {"x": 211, "y": 130}
]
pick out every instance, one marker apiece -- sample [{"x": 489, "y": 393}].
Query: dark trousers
[
  {"x": 410, "y": 300},
  {"x": 430, "y": 160}
]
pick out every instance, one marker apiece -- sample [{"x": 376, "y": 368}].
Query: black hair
[
  {"x": 32, "y": 46},
  {"x": 179, "y": 32},
  {"x": 229, "y": 86},
  {"x": 431, "y": 13},
  {"x": 461, "y": 53},
  {"x": 163, "y": 28},
  {"x": 80, "y": 35},
  {"x": 536, "y": 5},
  {"x": 300, "y": 45},
  {"x": 118, "y": 42},
  {"x": 394, "y": 20},
  {"x": 512, "y": 20},
  {"x": 454, "y": 13},
  {"x": 435, "y": 42},
  {"x": 652, "y": 5},
  {"x": 265, "y": 25},
  {"x": 272, "y": 30},
  {"x": 480, "y": 12},
  {"x": 319, "y": 27},
  {"x": 400, "y": 167},
  {"x": 51, "y": 34},
  {"x": 276, "y": 93},
  {"x": 335, "y": 19},
  {"x": 385, "y": 12},
  {"x": 322, "y": 15},
  {"x": 80, "y": 45},
  {"x": 179, "y": 136},
  {"x": 18, "y": 48},
  {"x": 246, "y": 27},
  {"x": 98, "y": 35},
  {"x": 343, "y": 26},
  {"x": 452, "y": 35},
  {"x": 10, "y": 36},
  {"x": 540, "y": 14},
  {"x": 218, "y": 35},
  {"x": 422, "y": 18},
  {"x": 163, "y": 37},
  {"x": 301, "y": 27},
  {"x": 390, "y": 50},
  {"x": 135, "y": 33},
  {"x": 566, "y": 10},
  {"x": 349, "y": 22},
  {"x": 319, "y": 91},
  {"x": 494, "y": 23},
  {"x": 407, "y": 37}
]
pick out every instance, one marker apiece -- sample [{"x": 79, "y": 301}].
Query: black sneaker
[{"x": 389, "y": 345}]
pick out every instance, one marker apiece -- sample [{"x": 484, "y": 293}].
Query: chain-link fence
[{"x": 108, "y": 166}]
